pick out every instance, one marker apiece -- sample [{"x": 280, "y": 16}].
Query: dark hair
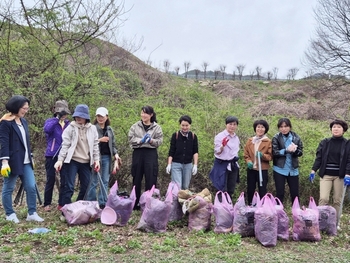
[
  {"x": 107, "y": 123},
  {"x": 284, "y": 120},
  {"x": 341, "y": 123},
  {"x": 263, "y": 123},
  {"x": 15, "y": 103},
  {"x": 149, "y": 110},
  {"x": 230, "y": 119},
  {"x": 185, "y": 118}
]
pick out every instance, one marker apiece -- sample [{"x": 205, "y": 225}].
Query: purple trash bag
[
  {"x": 223, "y": 211},
  {"x": 265, "y": 225},
  {"x": 155, "y": 215},
  {"x": 81, "y": 212},
  {"x": 122, "y": 205},
  {"x": 328, "y": 219},
  {"x": 144, "y": 195},
  {"x": 243, "y": 216},
  {"x": 305, "y": 225},
  {"x": 283, "y": 219},
  {"x": 200, "y": 218},
  {"x": 176, "y": 208}
]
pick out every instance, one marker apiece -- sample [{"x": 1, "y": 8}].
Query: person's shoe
[
  {"x": 47, "y": 208},
  {"x": 102, "y": 206},
  {"x": 12, "y": 218},
  {"x": 34, "y": 217},
  {"x": 59, "y": 207}
]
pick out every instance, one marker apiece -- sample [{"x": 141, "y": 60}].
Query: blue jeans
[
  {"x": 94, "y": 181},
  {"x": 84, "y": 172},
  {"x": 181, "y": 174},
  {"x": 29, "y": 186}
]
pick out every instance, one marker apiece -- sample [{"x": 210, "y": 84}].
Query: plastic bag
[
  {"x": 122, "y": 205},
  {"x": 144, "y": 196},
  {"x": 328, "y": 219},
  {"x": 81, "y": 212},
  {"x": 265, "y": 225},
  {"x": 223, "y": 211},
  {"x": 200, "y": 218},
  {"x": 176, "y": 208},
  {"x": 155, "y": 216},
  {"x": 283, "y": 219},
  {"x": 306, "y": 224},
  {"x": 243, "y": 216}
]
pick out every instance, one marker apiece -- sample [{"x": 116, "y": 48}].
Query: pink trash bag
[
  {"x": 243, "y": 216},
  {"x": 122, "y": 205},
  {"x": 223, "y": 212},
  {"x": 199, "y": 217},
  {"x": 283, "y": 219},
  {"x": 266, "y": 220},
  {"x": 176, "y": 208},
  {"x": 306, "y": 225},
  {"x": 81, "y": 212},
  {"x": 155, "y": 216},
  {"x": 144, "y": 196},
  {"x": 328, "y": 219}
]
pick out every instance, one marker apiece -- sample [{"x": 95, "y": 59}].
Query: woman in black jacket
[
  {"x": 333, "y": 163},
  {"x": 287, "y": 147}
]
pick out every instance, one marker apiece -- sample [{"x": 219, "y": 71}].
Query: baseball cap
[{"x": 102, "y": 111}]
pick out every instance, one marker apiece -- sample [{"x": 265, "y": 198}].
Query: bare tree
[
  {"x": 222, "y": 70},
  {"x": 275, "y": 72},
  {"x": 258, "y": 72},
  {"x": 205, "y": 66},
  {"x": 292, "y": 73},
  {"x": 309, "y": 73},
  {"x": 196, "y": 72},
  {"x": 187, "y": 65},
  {"x": 269, "y": 75},
  {"x": 166, "y": 64},
  {"x": 177, "y": 69},
  {"x": 240, "y": 68},
  {"x": 216, "y": 73},
  {"x": 329, "y": 50},
  {"x": 234, "y": 75},
  {"x": 252, "y": 74}
]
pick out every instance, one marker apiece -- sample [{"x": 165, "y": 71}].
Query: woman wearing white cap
[{"x": 108, "y": 152}]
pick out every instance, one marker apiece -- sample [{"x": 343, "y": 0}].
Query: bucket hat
[
  {"x": 61, "y": 105},
  {"x": 81, "y": 111},
  {"x": 108, "y": 216}
]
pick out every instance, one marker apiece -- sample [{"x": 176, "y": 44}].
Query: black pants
[
  {"x": 231, "y": 180},
  {"x": 253, "y": 180},
  {"x": 293, "y": 183},
  {"x": 144, "y": 162}
]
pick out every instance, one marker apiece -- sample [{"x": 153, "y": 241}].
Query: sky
[{"x": 264, "y": 33}]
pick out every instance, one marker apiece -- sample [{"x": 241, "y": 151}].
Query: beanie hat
[
  {"x": 82, "y": 111},
  {"x": 102, "y": 111},
  {"x": 61, "y": 105},
  {"x": 230, "y": 119}
]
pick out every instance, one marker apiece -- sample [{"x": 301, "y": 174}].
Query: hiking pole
[
  {"x": 18, "y": 195},
  {"x": 38, "y": 194},
  {"x": 260, "y": 172}
]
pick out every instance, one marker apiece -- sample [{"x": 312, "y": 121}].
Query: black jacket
[
  {"x": 183, "y": 148},
  {"x": 278, "y": 144},
  {"x": 322, "y": 155}
]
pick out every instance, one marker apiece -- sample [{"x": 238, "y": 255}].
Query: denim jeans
[
  {"x": 181, "y": 174},
  {"x": 84, "y": 172},
  {"x": 29, "y": 186},
  {"x": 94, "y": 181}
]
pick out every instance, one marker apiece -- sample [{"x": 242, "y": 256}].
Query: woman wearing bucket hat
[
  {"x": 53, "y": 129},
  {"x": 79, "y": 152},
  {"x": 108, "y": 153},
  {"x": 16, "y": 159},
  {"x": 145, "y": 136}
]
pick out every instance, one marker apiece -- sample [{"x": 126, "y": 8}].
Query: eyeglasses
[{"x": 25, "y": 108}]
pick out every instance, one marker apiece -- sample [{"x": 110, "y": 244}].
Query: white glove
[
  {"x": 58, "y": 165},
  {"x": 168, "y": 168},
  {"x": 194, "y": 170},
  {"x": 292, "y": 148}
]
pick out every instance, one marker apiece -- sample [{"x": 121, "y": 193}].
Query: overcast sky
[{"x": 265, "y": 33}]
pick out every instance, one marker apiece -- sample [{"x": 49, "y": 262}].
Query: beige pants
[{"x": 326, "y": 184}]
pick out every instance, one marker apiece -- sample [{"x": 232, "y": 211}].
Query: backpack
[{"x": 177, "y": 135}]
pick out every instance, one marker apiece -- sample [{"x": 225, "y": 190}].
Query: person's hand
[
  {"x": 61, "y": 114},
  {"x": 292, "y": 147},
  {"x": 58, "y": 165},
  {"x": 312, "y": 176},
  {"x": 225, "y": 141},
  {"x": 5, "y": 169},
  {"x": 259, "y": 154},
  {"x": 168, "y": 168},
  {"x": 250, "y": 165},
  {"x": 97, "y": 166},
  {"x": 146, "y": 138},
  {"x": 104, "y": 139},
  {"x": 347, "y": 180},
  {"x": 194, "y": 169}
]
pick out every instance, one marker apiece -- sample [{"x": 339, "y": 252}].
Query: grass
[{"x": 96, "y": 243}]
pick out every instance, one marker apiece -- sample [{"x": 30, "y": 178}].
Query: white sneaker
[
  {"x": 12, "y": 218},
  {"x": 34, "y": 217}
]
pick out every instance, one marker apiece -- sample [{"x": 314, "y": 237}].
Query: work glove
[
  {"x": 225, "y": 141},
  {"x": 346, "y": 180},
  {"x": 146, "y": 138},
  {"x": 97, "y": 166},
  {"x": 58, "y": 165},
  {"x": 250, "y": 165},
  {"x": 5, "y": 169},
  {"x": 168, "y": 168},
  {"x": 194, "y": 169},
  {"x": 259, "y": 154},
  {"x": 312, "y": 177},
  {"x": 292, "y": 147}
]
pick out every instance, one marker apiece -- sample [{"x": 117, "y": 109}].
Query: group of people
[{"x": 85, "y": 148}]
